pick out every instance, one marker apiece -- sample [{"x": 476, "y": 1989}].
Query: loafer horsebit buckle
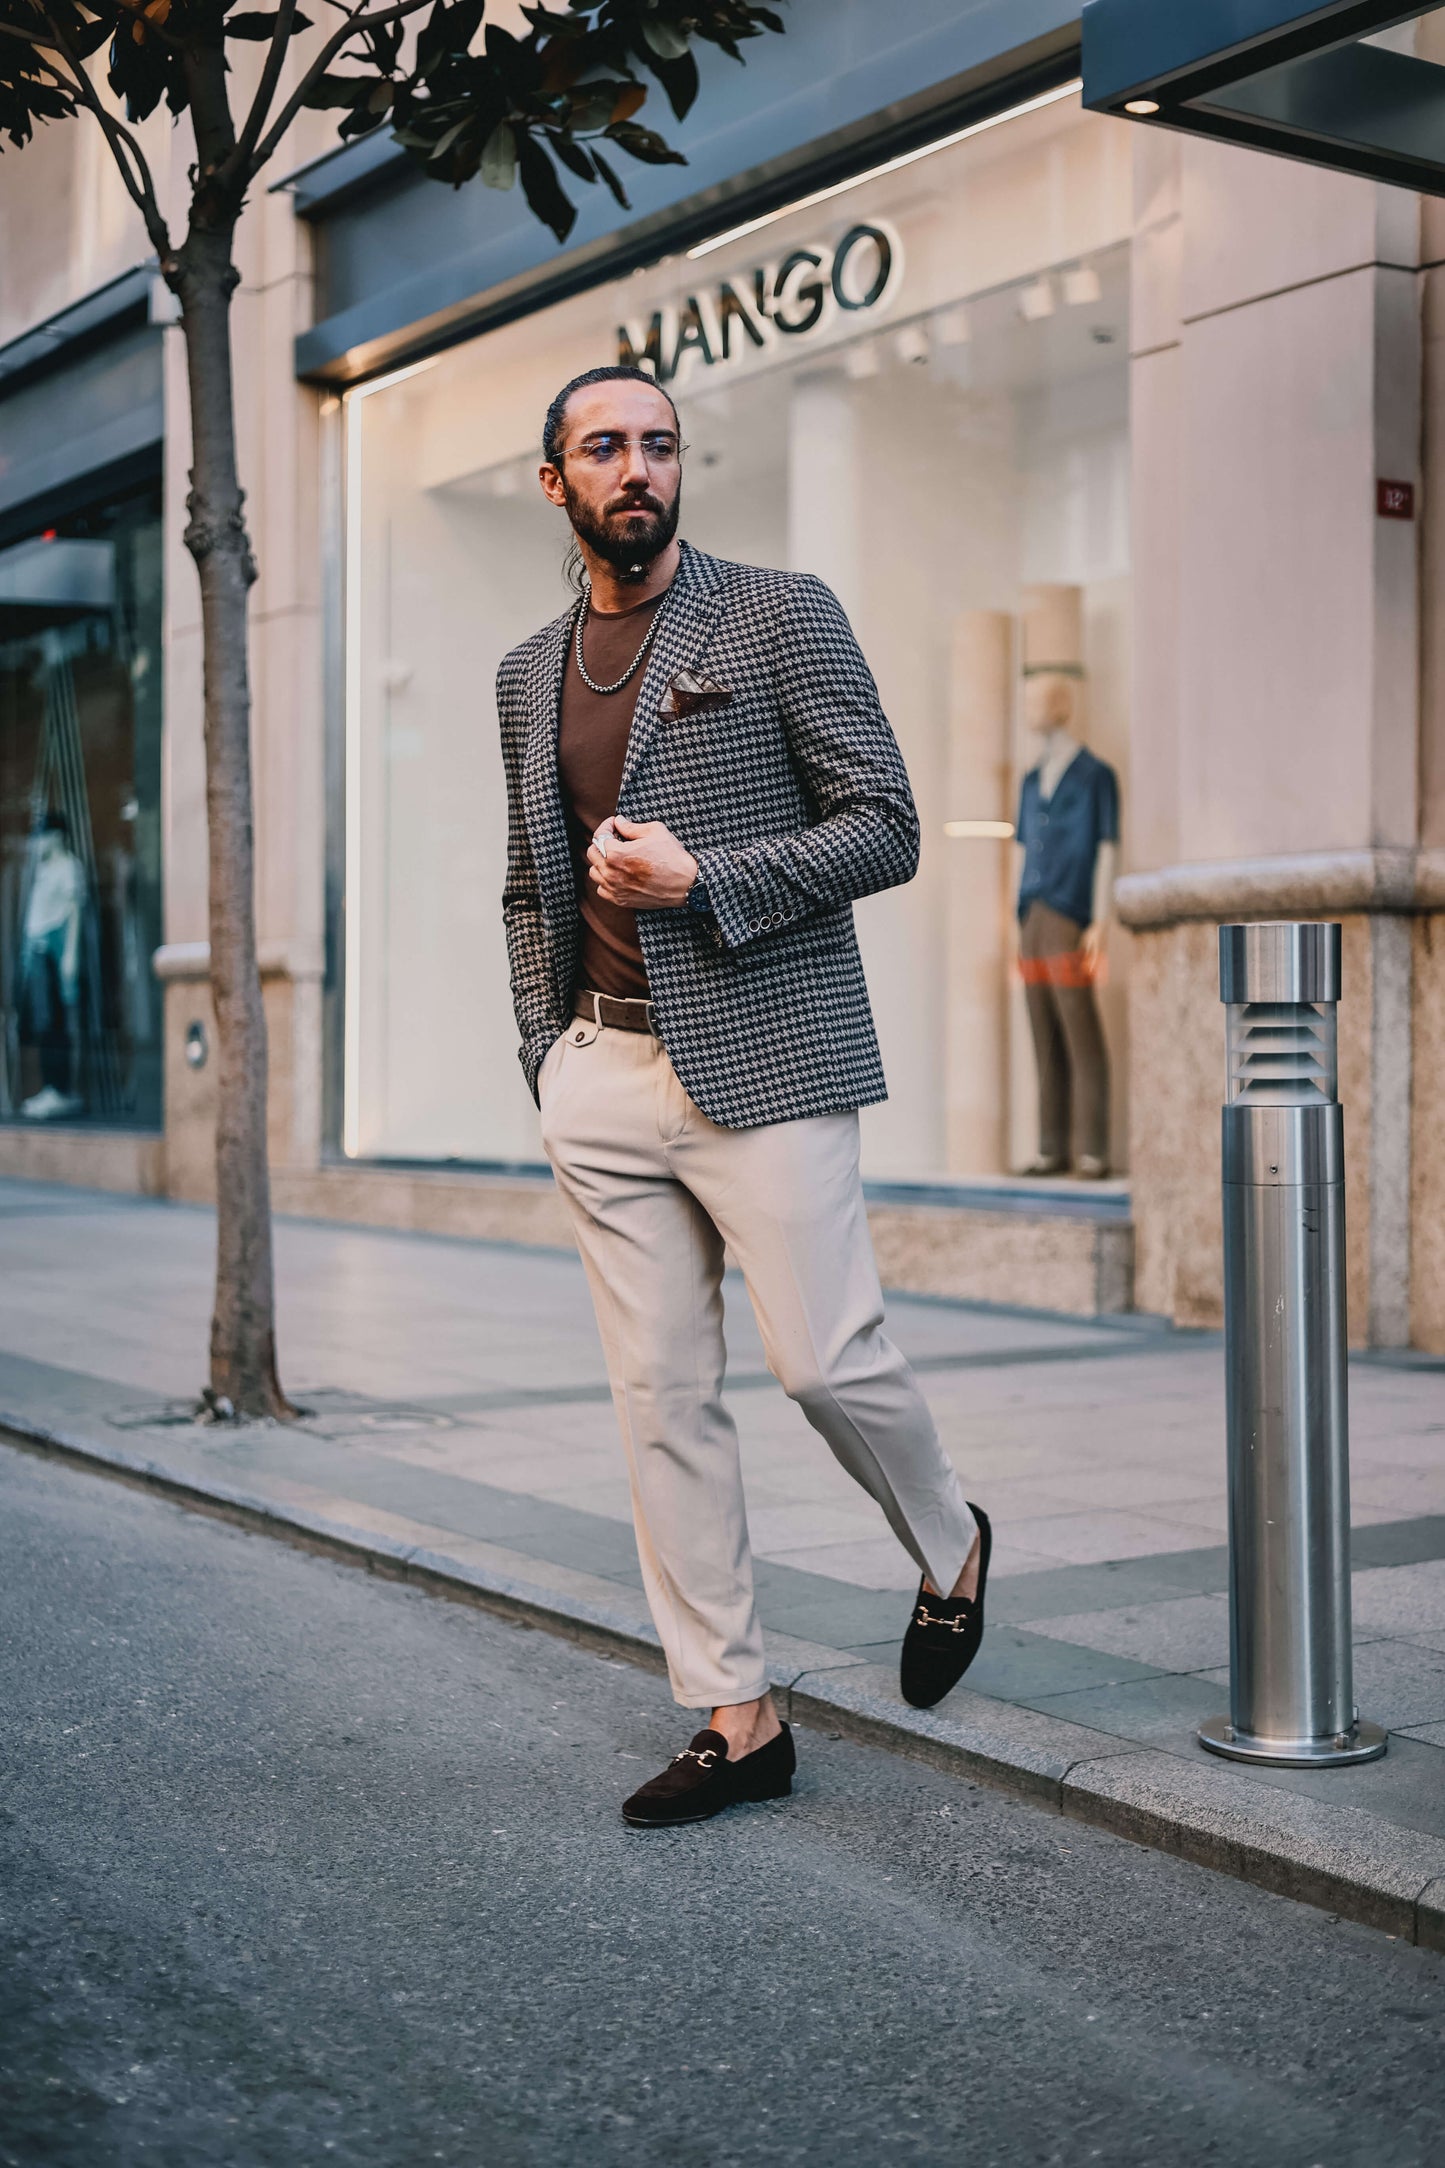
[
  {"x": 705, "y": 1759},
  {"x": 924, "y": 1617}
]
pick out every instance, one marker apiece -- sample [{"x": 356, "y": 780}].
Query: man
[{"x": 700, "y": 782}]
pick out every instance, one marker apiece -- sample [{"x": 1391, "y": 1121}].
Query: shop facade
[
  {"x": 1025, "y": 385},
  {"x": 917, "y": 389},
  {"x": 81, "y": 669}
]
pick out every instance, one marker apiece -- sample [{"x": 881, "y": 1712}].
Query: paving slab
[
  {"x": 1182, "y": 1633},
  {"x": 1164, "y": 1710}
]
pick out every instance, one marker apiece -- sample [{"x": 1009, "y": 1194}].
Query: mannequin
[
  {"x": 50, "y": 968},
  {"x": 1068, "y": 832}
]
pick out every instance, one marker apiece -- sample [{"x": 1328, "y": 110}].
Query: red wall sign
[{"x": 1395, "y": 500}]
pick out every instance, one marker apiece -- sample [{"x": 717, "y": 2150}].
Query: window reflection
[{"x": 80, "y": 715}]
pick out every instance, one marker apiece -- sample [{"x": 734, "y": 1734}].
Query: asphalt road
[{"x": 297, "y": 1865}]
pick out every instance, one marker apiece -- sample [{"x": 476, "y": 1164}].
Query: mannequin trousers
[
  {"x": 1069, "y": 1050},
  {"x": 655, "y": 1191}
]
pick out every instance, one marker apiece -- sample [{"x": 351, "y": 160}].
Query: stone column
[
  {"x": 824, "y": 512},
  {"x": 977, "y": 886}
]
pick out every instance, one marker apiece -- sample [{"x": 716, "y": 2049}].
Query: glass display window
[
  {"x": 80, "y": 766},
  {"x": 915, "y": 387}
]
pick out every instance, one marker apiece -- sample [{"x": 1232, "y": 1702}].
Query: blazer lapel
[
  {"x": 541, "y": 789},
  {"x": 686, "y": 625}
]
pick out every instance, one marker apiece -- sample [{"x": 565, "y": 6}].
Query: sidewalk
[{"x": 460, "y": 1432}]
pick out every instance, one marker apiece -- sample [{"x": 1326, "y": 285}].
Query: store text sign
[{"x": 797, "y": 296}]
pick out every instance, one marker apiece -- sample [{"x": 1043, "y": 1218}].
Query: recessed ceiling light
[
  {"x": 952, "y": 328},
  {"x": 1037, "y": 301},
  {"x": 911, "y": 343},
  {"x": 1142, "y": 105},
  {"x": 1081, "y": 286}
]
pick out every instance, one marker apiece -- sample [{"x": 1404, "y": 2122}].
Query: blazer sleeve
[
  {"x": 865, "y": 834},
  {"x": 528, "y": 954}
]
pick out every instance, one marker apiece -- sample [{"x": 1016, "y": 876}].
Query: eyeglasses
[{"x": 659, "y": 448}]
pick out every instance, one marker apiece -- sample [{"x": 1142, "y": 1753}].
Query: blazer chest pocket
[{"x": 691, "y": 693}]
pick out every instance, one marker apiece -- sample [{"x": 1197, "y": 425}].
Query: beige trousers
[{"x": 655, "y": 1190}]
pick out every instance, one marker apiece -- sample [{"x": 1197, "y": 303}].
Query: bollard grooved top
[{"x": 1280, "y": 961}]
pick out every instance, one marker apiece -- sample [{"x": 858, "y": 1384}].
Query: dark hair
[{"x": 618, "y": 373}]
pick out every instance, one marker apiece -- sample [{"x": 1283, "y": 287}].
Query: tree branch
[
  {"x": 137, "y": 176},
  {"x": 357, "y": 20},
  {"x": 255, "y": 120}
]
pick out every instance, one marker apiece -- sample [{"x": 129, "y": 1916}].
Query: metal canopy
[{"x": 1276, "y": 75}]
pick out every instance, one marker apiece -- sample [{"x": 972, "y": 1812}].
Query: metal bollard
[{"x": 1290, "y": 1681}]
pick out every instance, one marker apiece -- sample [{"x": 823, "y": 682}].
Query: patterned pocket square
[{"x": 689, "y": 692}]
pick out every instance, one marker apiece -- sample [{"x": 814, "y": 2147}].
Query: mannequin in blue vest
[{"x": 1068, "y": 836}]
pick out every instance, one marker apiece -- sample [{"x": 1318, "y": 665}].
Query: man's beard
[{"x": 631, "y": 554}]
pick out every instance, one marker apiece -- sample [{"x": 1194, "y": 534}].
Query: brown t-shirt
[{"x": 591, "y": 747}]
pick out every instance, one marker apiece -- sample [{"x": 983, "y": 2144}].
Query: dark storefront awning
[{"x": 1277, "y": 75}]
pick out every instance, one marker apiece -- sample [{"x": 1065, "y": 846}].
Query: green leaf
[
  {"x": 261, "y": 27},
  {"x": 666, "y": 42},
  {"x": 444, "y": 142},
  {"x": 571, "y": 154},
  {"x": 499, "y": 157},
  {"x": 88, "y": 38},
  {"x": 679, "y": 78},
  {"x": 359, "y": 123},
  {"x": 644, "y": 144},
  {"x": 338, "y": 90},
  {"x": 543, "y": 190},
  {"x": 610, "y": 177}
]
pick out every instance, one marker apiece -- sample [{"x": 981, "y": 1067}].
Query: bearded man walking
[{"x": 701, "y": 782}]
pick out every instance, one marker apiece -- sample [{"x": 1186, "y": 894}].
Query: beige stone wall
[
  {"x": 1177, "y": 1035},
  {"x": 1427, "y": 1199},
  {"x": 1279, "y": 369},
  {"x": 1078, "y": 1266},
  {"x": 124, "y": 1160},
  {"x": 292, "y": 1002}
]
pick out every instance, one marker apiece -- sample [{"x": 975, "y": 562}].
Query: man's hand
[
  {"x": 640, "y": 864},
  {"x": 1091, "y": 947}
]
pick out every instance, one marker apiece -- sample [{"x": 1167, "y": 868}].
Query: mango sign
[{"x": 800, "y": 295}]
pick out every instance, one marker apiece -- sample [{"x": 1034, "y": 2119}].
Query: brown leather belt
[{"x": 615, "y": 1014}]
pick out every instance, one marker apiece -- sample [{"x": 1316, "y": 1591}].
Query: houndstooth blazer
[{"x": 794, "y": 800}]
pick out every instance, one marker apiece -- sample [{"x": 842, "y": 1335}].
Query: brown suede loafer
[{"x": 700, "y": 1781}]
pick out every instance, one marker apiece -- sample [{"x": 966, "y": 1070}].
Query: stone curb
[{"x": 1338, "y": 1857}]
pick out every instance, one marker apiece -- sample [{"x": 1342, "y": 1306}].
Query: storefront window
[
  {"x": 80, "y": 715},
  {"x": 917, "y": 389}
]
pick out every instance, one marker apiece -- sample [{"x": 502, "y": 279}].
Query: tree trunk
[{"x": 243, "y": 1333}]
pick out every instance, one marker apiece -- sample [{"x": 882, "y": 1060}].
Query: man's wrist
[{"x": 697, "y": 898}]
